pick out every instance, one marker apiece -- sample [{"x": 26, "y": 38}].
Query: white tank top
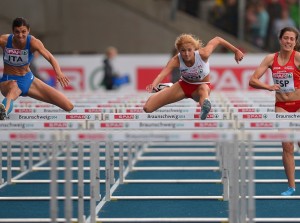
[{"x": 195, "y": 73}]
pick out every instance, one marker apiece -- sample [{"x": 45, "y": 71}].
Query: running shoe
[
  {"x": 161, "y": 86},
  {"x": 290, "y": 191},
  {"x": 205, "y": 108},
  {"x": 2, "y": 112}
]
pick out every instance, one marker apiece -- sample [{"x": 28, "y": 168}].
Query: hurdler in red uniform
[{"x": 285, "y": 66}]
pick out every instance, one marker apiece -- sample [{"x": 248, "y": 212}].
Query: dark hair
[
  {"x": 20, "y": 22},
  {"x": 294, "y": 30}
]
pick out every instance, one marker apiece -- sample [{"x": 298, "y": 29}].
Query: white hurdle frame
[{"x": 156, "y": 136}]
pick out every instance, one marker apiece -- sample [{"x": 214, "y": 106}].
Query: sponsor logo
[
  {"x": 112, "y": 125},
  {"x": 281, "y": 75},
  {"x": 23, "y": 110},
  {"x": 252, "y": 116},
  {"x": 43, "y": 106},
  {"x": 242, "y": 105},
  {"x": 78, "y": 116},
  {"x": 93, "y": 110},
  {"x": 289, "y": 116},
  {"x": 134, "y": 110},
  {"x": 206, "y": 124},
  {"x": 294, "y": 124},
  {"x": 13, "y": 51},
  {"x": 272, "y": 136},
  {"x": 246, "y": 109},
  {"x": 55, "y": 125},
  {"x": 104, "y": 106},
  {"x": 23, "y": 136},
  {"x": 124, "y": 116},
  {"x": 92, "y": 136},
  {"x": 165, "y": 116},
  {"x": 206, "y": 136},
  {"x": 38, "y": 117},
  {"x": 261, "y": 124}
]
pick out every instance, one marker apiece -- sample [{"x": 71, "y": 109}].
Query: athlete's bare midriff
[
  {"x": 289, "y": 96},
  {"x": 18, "y": 71}
]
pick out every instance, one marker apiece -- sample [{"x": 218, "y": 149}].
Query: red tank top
[{"x": 287, "y": 76}]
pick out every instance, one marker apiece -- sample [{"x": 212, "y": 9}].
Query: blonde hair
[{"x": 188, "y": 38}]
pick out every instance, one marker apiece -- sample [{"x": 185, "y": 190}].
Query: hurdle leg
[
  {"x": 243, "y": 185},
  {"x": 97, "y": 171},
  {"x": 121, "y": 163},
  {"x": 9, "y": 163},
  {"x": 225, "y": 174},
  {"x": 107, "y": 172},
  {"x": 81, "y": 217},
  {"x": 251, "y": 176},
  {"x": 129, "y": 155},
  {"x": 233, "y": 184},
  {"x": 1, "y": 179},
  {"x": 93, "y": 184},
  {"x": 112, "y": 163},
  {"x": 30, "y": 162},
  {"x": 53, "y": 185},
  {"x": 22, "y": 161},
  {"x": 68, "y": 184}
]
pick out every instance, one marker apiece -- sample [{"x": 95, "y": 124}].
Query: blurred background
[{"x": 143, "y": 32}]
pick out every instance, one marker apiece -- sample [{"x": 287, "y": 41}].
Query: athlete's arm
[
  {"x": 206, "y": 51},
  {"x": 259, "y": 72},
  {"x": 37, "y": 45},
  {"x": 173, "y": 63},
  {"x": 3, "y": 40},
  {"x": 297, "y": 59}
]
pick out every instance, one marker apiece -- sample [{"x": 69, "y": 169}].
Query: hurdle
[
  {"x": 118, "y": 127},
  {"x": 22, "y": 138},
  {"x": 156, "y": 136},
  {"x": 266, "y": 136}
]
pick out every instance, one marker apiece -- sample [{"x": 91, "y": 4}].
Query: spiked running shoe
[
  {"x": 290, "y": 191},
  {"x": 205, "y": 109},
  {"x": 161, "y": 86},
  {"x": 2, "y": 112}
]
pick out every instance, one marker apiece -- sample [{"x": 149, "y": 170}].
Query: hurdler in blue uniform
[{"x": 17, "y": 79}]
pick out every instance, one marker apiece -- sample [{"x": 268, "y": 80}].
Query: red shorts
[
  {"x": 188, "y": 88},
  {"x": 290, "y": 106}
]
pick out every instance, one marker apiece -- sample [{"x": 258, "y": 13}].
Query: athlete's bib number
[
  {"x": 16, "y": 57},
  {"x": 285, "y": 81}
]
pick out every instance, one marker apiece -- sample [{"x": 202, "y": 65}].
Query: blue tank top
[{"x": 17, "y": 57}]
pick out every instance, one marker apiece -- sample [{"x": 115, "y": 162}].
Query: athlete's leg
[
  {"x": 164, "y": 97},
  {"x": 202, "y": 96},
  {"x": 11, "y": 92},
  {"x": 43, "y": 92},
  {"x": 202, "y": 92},
  {"x": 288, "y": 158},
  {"x": 289, "y": 162}
]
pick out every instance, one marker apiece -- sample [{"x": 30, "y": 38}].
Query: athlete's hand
[
  {"x": 62, "y": 79},
  {"x": 149, "y": 88},
  {"x": 239, "y": 56},
  {"x": 275, "y": 87}
]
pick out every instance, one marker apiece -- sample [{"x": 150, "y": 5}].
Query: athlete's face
[
  {"x": 20, "y": 34},
  {"x": 288, "y": 41},
  {"x": 187, "y": 51}
]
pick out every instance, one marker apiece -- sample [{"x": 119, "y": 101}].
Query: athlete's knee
[
  {"x": 147, "y": 109},
  {"x": 12, "y": 85},
  {"x": 69, "y": 107},
  {"x": 13, "y": 89}
]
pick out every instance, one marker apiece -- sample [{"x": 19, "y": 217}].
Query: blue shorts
[{"x": 24, "y": 82}]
